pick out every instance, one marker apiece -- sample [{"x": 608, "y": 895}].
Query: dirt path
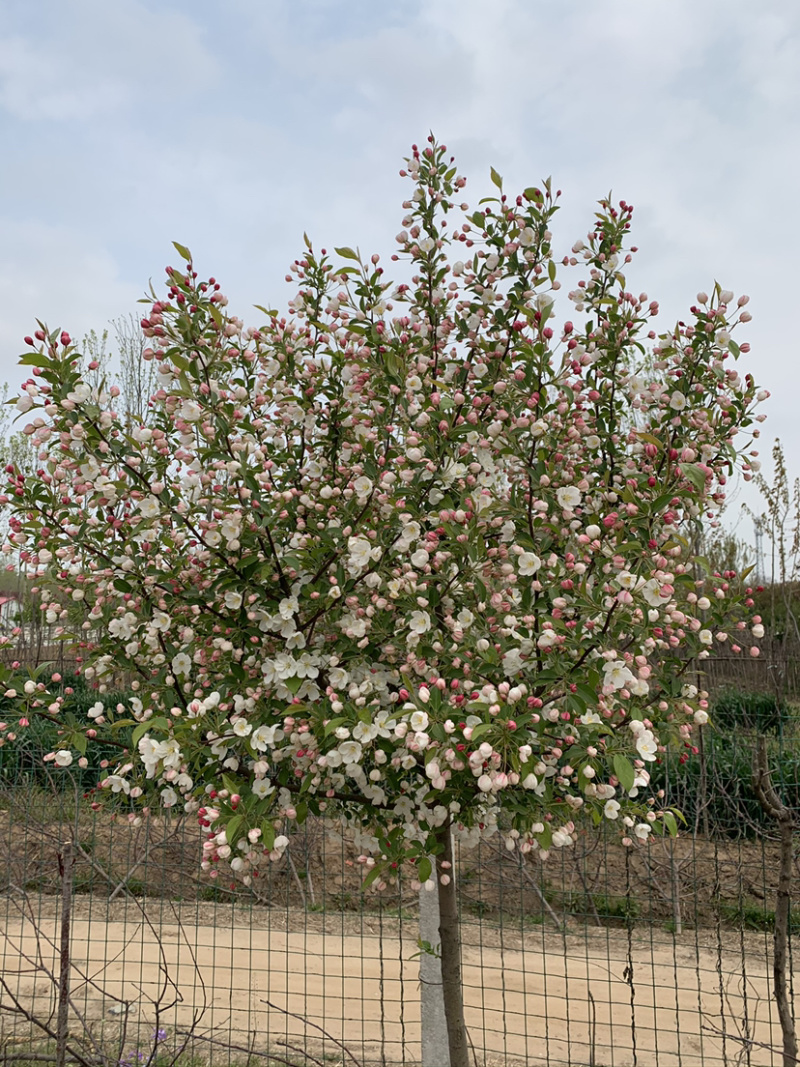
[{"x": 537, "y": 998}]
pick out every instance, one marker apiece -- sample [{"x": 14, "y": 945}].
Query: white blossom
[
  {"x": 617, "y": 675},
  {"x": 646, "y": 745},
  {"x": 568, "y": 497},
  {"x": 419, "y": 622},
  {"x": 528, "y": 563},
  {"x": 149, "y": 508},
  {"x": 181, "y": 664}
]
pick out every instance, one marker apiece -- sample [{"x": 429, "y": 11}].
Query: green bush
[
  {"x": 754, "y": 915},
  {"x": 735, "y": 709},
  {"x": 610, "y": 907},
  {"x": 730, "y": 804},
  {"x": 21, "y": 763}
]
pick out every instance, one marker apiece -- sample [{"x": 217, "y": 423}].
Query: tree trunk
[
  {"x": 783, "y": 918},
  {"x": 450, "y": 937},
  {"x": 774, "y": 806}
]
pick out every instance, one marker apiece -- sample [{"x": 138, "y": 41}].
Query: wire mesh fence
[{"x": 655, "y": 955}]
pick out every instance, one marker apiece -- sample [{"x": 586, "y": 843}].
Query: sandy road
[{"x": 532, "y": 998}]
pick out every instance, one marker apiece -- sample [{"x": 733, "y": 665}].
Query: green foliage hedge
[
  {"x": 737, "y": 710},
  {"x": 21, "y": 761},
  {"x": 727, "y": 799}
]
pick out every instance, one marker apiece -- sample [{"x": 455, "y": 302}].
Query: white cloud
[
  {"x": 236, "y": 127},
  {"x": 87, "y": 59},
  {"x": 50, "y": 270}
]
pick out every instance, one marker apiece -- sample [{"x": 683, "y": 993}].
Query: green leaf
[
  {"x": 661, "y": 502},
  {"x": 479, "y": 730},
  {"x": 671, "y": 823},
  {"x": 693, "y": 474},
  {"x": 232, "y": 828},
  {"x": 623, "y": 769},
  {"x": 158, "y": 723},
  {"x": 392, "y": 363},
  {"x": 576, "y": 704},
  {"x": 426, "y": 949},
  {"x": 182, "y": 251},
  {"x": 586, "y": 691},
  {"x": 347, "y": 253},
  {"x": 498, "y": 181},
  {"x": 371, "y": 877},
  {"x": 424, "y": 870},
  {"x": 139, "y": 732}
]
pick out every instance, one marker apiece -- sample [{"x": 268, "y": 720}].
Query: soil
[
  {"x": 533, "y": 997},
  {"x": 688, "y": 882}
]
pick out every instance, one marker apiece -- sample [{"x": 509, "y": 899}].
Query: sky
[{"x": 236, "y": 127}]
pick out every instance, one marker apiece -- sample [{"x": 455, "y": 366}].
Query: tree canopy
[{"x": 418, "y": 552}]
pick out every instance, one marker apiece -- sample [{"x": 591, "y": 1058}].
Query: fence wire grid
[{"x": 659, "y": 956}]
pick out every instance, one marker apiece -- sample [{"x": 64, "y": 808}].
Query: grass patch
[{"x": 753, "y": 915}]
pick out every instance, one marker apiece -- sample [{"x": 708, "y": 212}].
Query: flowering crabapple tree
[{"x": 416, "y": 554}]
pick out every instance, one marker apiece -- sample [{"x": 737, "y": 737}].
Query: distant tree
[
  {"x": 778, "y": 526},
  {"x": 123, "y": 366},
  {"x": 138, "y": 370},
  {"x": 724, "y": 551}
]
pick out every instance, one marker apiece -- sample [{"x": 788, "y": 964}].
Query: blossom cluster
[{"x": 416, "y": 553}]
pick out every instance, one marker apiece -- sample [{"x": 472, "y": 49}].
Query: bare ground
[{"x": 536, "y": 997}]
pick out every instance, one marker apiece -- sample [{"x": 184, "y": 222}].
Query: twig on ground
[{"x": 315, "y": 1026}]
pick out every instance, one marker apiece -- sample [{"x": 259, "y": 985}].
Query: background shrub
[
  {"x": 736, "y": 709},
  {"x": 724, "y": 794},
  {"x": 22, "y": 761}
]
